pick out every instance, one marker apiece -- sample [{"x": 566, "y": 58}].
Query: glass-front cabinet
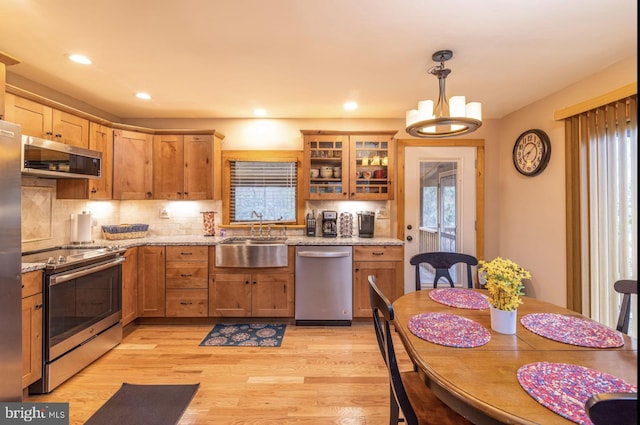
[
  {"x": 327, "y": 157},
  {"x": 372, "y": 161},
  {"x": 348, "y": 165}
]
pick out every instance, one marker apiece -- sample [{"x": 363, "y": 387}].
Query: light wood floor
[{"x": 319, "y": 375}]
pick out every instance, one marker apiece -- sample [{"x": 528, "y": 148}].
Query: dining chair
[
  {"x": 408, "y": 393},
  {"x": 442, "y": 262},
  {"x": 625, "y": 287},
  {"x": 613, "y": 408}
]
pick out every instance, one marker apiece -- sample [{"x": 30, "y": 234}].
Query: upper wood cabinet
[
  {"x": 328, "y": 155},
  {"x": 183, "y": 166},
  {"x": 101, "y": 140},
  {"x": 132, "y": 165},
  {"x": 45, "y": 122},
  {"x": 356, "y": 166}
]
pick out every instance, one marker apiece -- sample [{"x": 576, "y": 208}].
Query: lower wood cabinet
[
  {"x": 32, "y": 329},
  {"x": 130, "y": 286},
  {"x": 151, "y": 285},
  {"x": 242, "y": 292},
  {"x": 186, "y": 271},
  {"x": 385, "y": 262},
  {"x": 183, "y": 281}
]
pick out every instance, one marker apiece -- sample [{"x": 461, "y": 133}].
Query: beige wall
[{"x": 531, "y": 215}]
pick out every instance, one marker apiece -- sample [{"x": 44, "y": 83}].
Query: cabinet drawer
[
  {"x": 184, "y": 274},
  {"x": 378, "y": 253},
  {"x": 31, "y": 283},
  {"x": 188, "y": 253},
  {"x": 187, "y": 302}
]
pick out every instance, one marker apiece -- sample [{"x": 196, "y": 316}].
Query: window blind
[
  {"x": 268, "y": 188},
  {"x": 602, "y": 181}
]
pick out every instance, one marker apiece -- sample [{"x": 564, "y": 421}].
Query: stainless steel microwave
[{"x": 46, "y": 158}]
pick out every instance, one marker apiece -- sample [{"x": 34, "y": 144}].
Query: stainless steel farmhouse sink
[{"x": 259, "y": 251}]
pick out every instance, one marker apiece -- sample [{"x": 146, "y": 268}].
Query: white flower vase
[{"x": 503, "y": 321}]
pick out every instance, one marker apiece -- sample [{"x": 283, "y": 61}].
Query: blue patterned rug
[{"x": 246, "y": 335}]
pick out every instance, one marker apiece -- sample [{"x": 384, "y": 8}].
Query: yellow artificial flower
[{"x": 504, "y": 282}]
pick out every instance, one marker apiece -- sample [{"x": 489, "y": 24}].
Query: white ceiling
[{"x": 305, "y": 58}]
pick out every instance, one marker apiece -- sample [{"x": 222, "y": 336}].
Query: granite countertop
[{"x": 215, "y": 240}]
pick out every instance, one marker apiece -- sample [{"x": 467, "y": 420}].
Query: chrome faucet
[{"x": 259, "y": 215}]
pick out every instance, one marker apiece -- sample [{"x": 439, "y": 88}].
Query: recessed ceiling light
[
  {"x": 80, "y": 59},
  {"x": 350, "y": 106},
  {"x": 260, "y": 112},
  {"x": 143, "y": 95}
]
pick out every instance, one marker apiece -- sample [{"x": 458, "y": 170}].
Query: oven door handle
[{"x": 54, "y": 280}]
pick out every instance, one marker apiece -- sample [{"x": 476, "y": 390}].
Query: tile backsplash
[{"x": 46, "y": 221}]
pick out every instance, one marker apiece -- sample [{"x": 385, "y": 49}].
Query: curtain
[{"x": 605, "y": 149}]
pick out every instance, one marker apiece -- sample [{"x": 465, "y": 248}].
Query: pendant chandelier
[{"x": 450, "y": 117}]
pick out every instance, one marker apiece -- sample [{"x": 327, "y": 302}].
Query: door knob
[
  {"x": 409, "y": 227},
  {"x": 409, "y": 238}
]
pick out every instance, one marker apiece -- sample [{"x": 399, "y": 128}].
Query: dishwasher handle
[{"x": 323, "y": 254}]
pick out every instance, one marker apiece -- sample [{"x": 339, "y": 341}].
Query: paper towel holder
[{"x": 81, "y": 228}]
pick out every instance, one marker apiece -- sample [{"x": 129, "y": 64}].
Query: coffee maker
[
  {"x": 329, "y": 224},
  {"x": 366, "y": 223}
]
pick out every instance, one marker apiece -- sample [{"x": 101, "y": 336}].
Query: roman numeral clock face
[{"x": 531, "y": 152}]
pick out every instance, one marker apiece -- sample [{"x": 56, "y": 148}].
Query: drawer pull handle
[
  {"x": 377, "y": 253},
  {"x": 186, "y": 275},
  {"x": 186, "y": 253},
  {"x": 185, "y": 303}
]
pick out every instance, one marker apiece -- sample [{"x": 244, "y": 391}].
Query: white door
[{"x": 418, "y": 159}]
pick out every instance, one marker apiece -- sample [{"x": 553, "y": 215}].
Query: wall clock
[{"x": 531, "y": 152}]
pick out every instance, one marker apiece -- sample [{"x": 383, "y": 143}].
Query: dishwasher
[{"x": 324, "y": 285}]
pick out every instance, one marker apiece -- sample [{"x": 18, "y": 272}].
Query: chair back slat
[
  {"x": 442, "y": 262},
  {"x": 626, "y": 287}
]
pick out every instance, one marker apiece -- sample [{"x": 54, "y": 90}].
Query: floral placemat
[
  {"x": 449, "y": 329},
  {"x": 572, "y": 330},
  {"x": 565, "y": 388},
  {"x": 460, "y": 298}
]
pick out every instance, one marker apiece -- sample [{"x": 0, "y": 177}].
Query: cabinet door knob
[{"x": 409, "y": 238}]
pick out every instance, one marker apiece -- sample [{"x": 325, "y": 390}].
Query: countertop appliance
[
  {"x": 366, "y": 223},
  {"x": 46, "y": 158},
  {"x": 10, "y": 268},
  {"x": 329, "y": 224},
  {"x": 324, "y": 285},
  {"x": 82, "y": 309},
  {"x": 311, "y": 224}
]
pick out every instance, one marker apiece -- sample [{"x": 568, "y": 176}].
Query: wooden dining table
[{"x": 481, "y": 383}]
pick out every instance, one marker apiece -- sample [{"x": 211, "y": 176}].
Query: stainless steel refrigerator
[{"x": 10, "y": 264}]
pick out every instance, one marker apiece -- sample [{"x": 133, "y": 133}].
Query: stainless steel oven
[{"x": 83, "y": 310}]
